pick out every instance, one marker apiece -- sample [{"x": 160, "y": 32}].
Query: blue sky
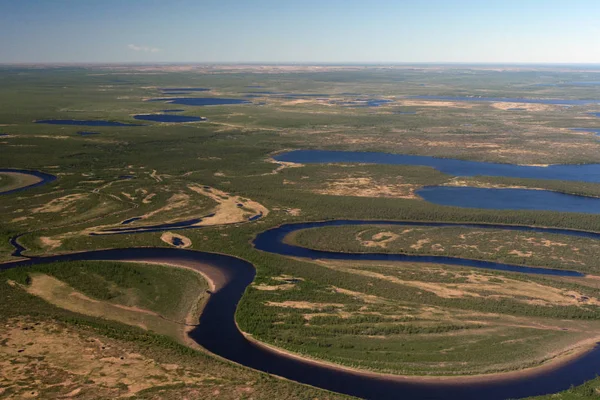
[{"x": 327, "y": 31}]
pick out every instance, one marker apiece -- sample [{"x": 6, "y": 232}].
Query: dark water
[
  {"x": 177, "y": 241},
  {"x": 173, "y": 110},
  {"x": 84, "y": 133},
  {"x": 509, "y": 100},
  {"x": 18, "y": 248},
  {"x": 83, "y": 122},
  {"x": 168, "y": 118},
  {"x": 580, "y": 173},
  {"x": 272, "y": 241},
  {"x": 363, "y": 103},
  {"x": 150, "y": 228},
  {"x": 596, "y": 131},
  {"x": 130, "y": 220},
  {"x": 45, "y": 178},
  {"x": 187, "y": 224},
  {"x": 255, "y": 217},
  {"x": 218, "y": 333},
  {"x": 201, "y": 101},
  {"x": 509, "y": 199}
]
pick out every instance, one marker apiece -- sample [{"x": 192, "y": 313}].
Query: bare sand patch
[
  {"x": 50, "y": 243},
  {"x": 295, "y": 212},
  {"x": 230, "y": 209},
  {"x": 430, "y": 103},
  {"x": 420, "y": 243},
  {"x": 281, "y": 165},
  {"x": 176, "y": 201},
  {"x": 60, "y": 204},
  {"x": 367, "y": 187},
  {"x": 380, "y": 239},
  {"x": 128, "y": 196},
  {"x": 73, "y": 363},
  {"x": 270, "y": 288},
  {"x": 479, "y": 286},
  {"x": 168, "y": 237},
  {"x": 303, "y": 305},
  {"x": 524, "y": 106},
  {"x": 155, "y": 176},
  {"x": 367, "y": 298},
  {"x": 20, "y": 219},
  {"x": 18, "y": 180},
  {"x": 148, "y": 198},
  {"x": 521, "y": 253}
]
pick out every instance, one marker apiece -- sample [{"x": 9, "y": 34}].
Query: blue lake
[
  {"x": 84, "y": 133},
  {"x": 168, "y": 118},
  {"x": 509, "y": 199},
  {"x": 82, "y": 122},
  {"x": 578, "y": 173},
  {"x": 201, "y": 101},
  {"x": 173, "y": 110},
  {"x": 509, "y": 100}
]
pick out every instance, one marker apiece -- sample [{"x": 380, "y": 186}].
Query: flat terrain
[{"x": 212, "y": 186}]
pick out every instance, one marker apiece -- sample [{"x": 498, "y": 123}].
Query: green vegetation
[
  {"x": 167, "y": 291},
  {"x": 589, "y": 390},
  {"x": 400, "y": 318},
  {"x": 512, "y": 247}
]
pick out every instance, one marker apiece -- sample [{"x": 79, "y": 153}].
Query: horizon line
[{"x": 302, "y": 63}]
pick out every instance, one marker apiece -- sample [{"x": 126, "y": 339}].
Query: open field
[{"x": 133, "y": 186}]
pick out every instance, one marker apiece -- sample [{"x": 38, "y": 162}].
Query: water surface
[
  {"x": 45, "y": 178},
  {"x": 509, "y": 199},
  {"x": 272, "y": 241},
  {"x": 566, "y": 172},
  {"x": 218, "y": 333}
]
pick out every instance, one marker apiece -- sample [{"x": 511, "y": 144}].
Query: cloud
[{"x": 145, "y": 49}]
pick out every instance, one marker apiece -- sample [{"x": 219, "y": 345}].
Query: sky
[{"x": 300, "y": 31}]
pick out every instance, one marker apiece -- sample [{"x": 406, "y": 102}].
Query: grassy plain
[
  {"x": 119, "y": 336},
  {"x": 384, "y": 317}
]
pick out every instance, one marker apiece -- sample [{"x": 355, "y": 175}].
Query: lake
[
  {"x": 454, "y": 167},
  {"x": 509, "y": 199}
]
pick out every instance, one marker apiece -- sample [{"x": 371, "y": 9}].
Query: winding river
[
  {"x": 40, "y": 178},
  {"x": 219, "y": 334}
]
